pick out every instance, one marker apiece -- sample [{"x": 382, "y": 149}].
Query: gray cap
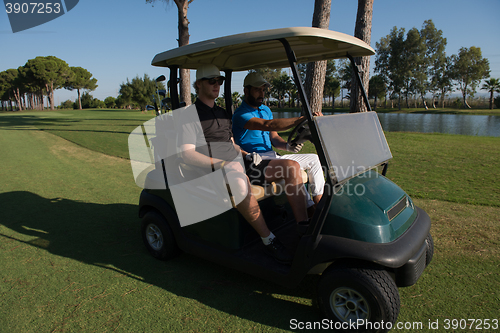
[{"x": 255, "y": 80}]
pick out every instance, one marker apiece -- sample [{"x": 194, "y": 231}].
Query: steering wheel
[{"x": 300, "y": 134}]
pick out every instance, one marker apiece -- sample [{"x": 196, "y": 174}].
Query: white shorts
[{"x": 310, "y": 164}]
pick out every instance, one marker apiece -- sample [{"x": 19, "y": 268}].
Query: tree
[
  {"x": 436, "y": 60},
  {"x": 9, "y": 83},
  {"x": 363, "y": 31},
  {"x": 415, "y": 50},
  {"x": 469, "y": 68},
  {"x": 345, "y": 76},
  {"x": 280, "y": 86},
  {"x": 236, "y": 98},
  {"x": 377, "y": 88},
  {"x": 492, "y": 85},
  {"x": 183, "y": 23},
  {"x": 139, "y": 91},
  {"x": 50, "y": 71},
  {"x": 67, "y": 105},
  {"x": 441, "y": 80},
  {"x": 81, "y": 79},
  {"x": 89, "y": 102},
  {"x": 316, "y": 71},
  {"x": 110, "y": 102}
]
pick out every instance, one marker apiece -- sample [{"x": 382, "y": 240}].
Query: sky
[{"x": 116, "y": 40}]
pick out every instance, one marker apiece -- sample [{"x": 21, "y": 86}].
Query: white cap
[
  {"x": 255, "y": 80},
  {"x": 207, "y": 72}
]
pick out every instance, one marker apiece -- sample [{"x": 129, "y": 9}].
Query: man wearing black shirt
[{"x": 210, "y": 144}]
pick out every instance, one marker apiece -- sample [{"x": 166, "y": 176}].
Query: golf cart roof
[{"x": 262, "y": 49}]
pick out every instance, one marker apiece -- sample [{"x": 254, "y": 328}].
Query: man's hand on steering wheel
[{"x": 294, "y": 148}]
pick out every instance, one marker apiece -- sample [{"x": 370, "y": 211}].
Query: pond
[{"x": 431, "y": 123}]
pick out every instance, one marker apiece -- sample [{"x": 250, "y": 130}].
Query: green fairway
[{"x": 72, "y": 259}]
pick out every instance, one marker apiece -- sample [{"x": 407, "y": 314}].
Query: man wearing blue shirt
[{"x": 255, "y": 130}]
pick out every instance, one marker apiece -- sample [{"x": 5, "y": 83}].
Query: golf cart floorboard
[{"x": 256, "y": 252}]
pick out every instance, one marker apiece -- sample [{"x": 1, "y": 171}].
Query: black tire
[
  {"x": 430, "y": 249},
  {"x": 158, "y": 236},
  {"x": 349, "y": 294}
]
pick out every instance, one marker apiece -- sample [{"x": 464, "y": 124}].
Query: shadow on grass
[
  {"x": 18, "y": 122},
  {"x": 108, "y": 236}
]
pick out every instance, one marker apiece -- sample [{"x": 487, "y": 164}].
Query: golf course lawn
[{"x": 72, "y": 258}]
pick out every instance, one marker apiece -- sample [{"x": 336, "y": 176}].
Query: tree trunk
[
  {"x": 425, "y": 104},
  {"x": 491, "y": 99},
  {"x": 316, "y": 71},
  {"x": 79, "y": 99},
  {"x": 363, "y": 31},
  {"x": 185, "y": 82},
  {"x": 17, "y": 96}
]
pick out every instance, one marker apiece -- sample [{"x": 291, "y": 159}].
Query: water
[{"x": 431, "y": 123}]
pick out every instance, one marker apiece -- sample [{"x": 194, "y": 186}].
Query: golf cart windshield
[{"x": 337, "y": 149}]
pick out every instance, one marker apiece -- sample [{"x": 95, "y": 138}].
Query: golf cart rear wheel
[
  {"x": 158, "y": 236},
  {"x": 359, "y": 299}
]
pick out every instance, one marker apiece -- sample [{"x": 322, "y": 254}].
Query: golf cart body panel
[{"x": 380, "y": 227}]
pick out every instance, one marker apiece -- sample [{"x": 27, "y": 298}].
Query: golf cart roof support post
[
  {"x": 326, "y": 201},
  {"x": 360, "y": 83},
  {"x": 174, "y": 94},
  {"x": 227, "y": 92},
  {"x": 314, "y": 131}
]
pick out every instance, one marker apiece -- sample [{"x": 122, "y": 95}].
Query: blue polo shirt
[{"x": 251, "y": 140}]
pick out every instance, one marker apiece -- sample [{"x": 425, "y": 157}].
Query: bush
[
  {"x": 67, "y": 105},
  {"x": 110, "y": 102}
]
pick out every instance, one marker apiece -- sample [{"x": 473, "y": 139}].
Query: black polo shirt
[{"x": 213, "y": 134}]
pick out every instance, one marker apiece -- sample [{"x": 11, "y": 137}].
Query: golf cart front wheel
[
  {"x": 158, "y": 236},
  {"x": 359, "y": 299}
]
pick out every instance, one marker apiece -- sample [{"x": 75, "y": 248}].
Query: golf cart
[{"x": 366, "y": 237}]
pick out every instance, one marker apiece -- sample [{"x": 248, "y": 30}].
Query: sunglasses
[{"x": 219, "y": 80}]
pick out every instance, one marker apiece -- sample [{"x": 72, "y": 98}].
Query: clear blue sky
[{"x": 116, "y": 40}]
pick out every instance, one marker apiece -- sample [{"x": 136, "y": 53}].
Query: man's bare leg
[
  {"x": 248, "y": 207},
  {"x": 290, "y": 171},
  {"x": 317, "y": 198},
  {"x": 250, "y": 210}
]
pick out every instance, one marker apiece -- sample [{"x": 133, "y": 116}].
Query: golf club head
[
  {"x": 150, "y": 107},
  {"x": 162, "y": 92},
  {"x": 160, "y": 78}
]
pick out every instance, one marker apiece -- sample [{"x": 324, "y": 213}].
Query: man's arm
[
  {"x": 277, "y": 141},
  {"x": 276, "y": 125},
  {"x": 192, "y": 157}
]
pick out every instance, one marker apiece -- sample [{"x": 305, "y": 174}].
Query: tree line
[
  {"x": 416, "y": 64},
  {"x": 26, "y": 86},
  {"x": 407, "y": 66}
]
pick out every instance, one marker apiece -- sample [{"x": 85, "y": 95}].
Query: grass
[{"x": 73, "y": 261}]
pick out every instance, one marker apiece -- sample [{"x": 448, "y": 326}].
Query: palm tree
[
  {"x": 236, "y": 98},
  {"x": 492, "y": 85},
  {"x": 183, "y": 22}
]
